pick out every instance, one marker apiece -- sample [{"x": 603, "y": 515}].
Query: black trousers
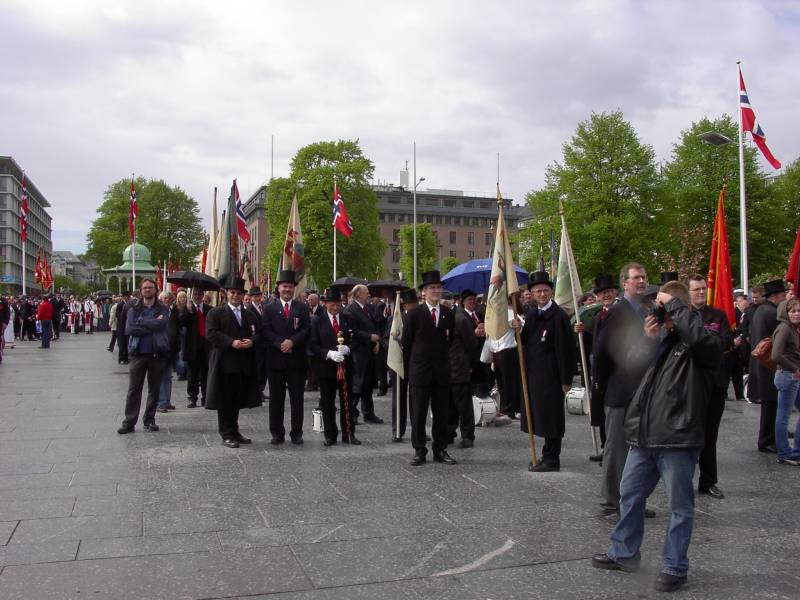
[
  {"x": 367, "y": 404},
  {"x": 122, "y": 343},
  {"x": 279, "y": 381},
  {"x": 57, "y": 327},
  {"x": 461, "y": 412},
  {"x": 140, "y": 366},
  {"x": 511, "y": 381},
  {"x": 402, "y": 389},
  {"x": 328, "y": 390},
  {"x": 708, "y": 455},
  {"x": 736, "y": 372},
  {"x": 551, "y": 451},
  {"x": 228, "y": 409},
  {"x": 198, "y": 372},
  {"x": 113, "y": 341},
  {"x": 766, "y": 430},
  {"x": 437, "y": 398}
]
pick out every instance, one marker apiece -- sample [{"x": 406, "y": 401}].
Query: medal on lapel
[{"x": 544, "y": 335}]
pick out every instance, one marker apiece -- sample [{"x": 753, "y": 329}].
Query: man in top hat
[
  {"x": 765, "y": 320},
  {"x": 257, "y": 308},
  {"x": 465, "y": 352},
  {"x": 365, "y": 345},
  {"x": 550, "y": 367},
  {"x": 326, "y": 355},
  {"x": 286, "y": 328},
  {"x": 408, "y": 302},
  {"x": 427, "y": 336},
  {"x": 232, "y": 384},
  {"x": 605, "y": 290},
  {"x": 58, "y": 309},
  {"x": 668, "y": 276}
]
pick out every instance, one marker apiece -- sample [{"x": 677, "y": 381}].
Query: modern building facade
[
  {"x": 39, "y": 227},
  {"x": 463, "y": 224},
  {"x": 255, "y": 217}
]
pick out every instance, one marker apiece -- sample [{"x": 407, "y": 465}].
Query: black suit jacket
[
  {"x": 222, "y": 329},
  {"x": 427, "y": 347},
  {"x": 716, "y": 320},
  {"x": 277, "y": 328},
  {"x": 322, "y": 339}
]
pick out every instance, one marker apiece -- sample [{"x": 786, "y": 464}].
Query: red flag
[
  {"x": 720, "y": 281},
  {"x": 241, "y": 223},
  {"x": 49, "y": 272},
  {"x": 204, "y": 260},
  {"x": 159, "y": 278},
  {"x": 133, "y": 213},
  {"x": 749, "y": 123},
  {"x": 793, "y": 274},
  {"x": 37, "y": 269},
  {"x": 340, "y": 219},
  {"x": 23, "y": 213}
]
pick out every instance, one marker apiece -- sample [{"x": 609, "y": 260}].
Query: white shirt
[
  {"x": 437, "y": 308},
  {"x": 509, "y": 339},
  {"x": 331, "y": 317},
  {"x": 545, "y": 307},
  {"x": 284, "y": 306},
  {"x": 237, "y": 312}
]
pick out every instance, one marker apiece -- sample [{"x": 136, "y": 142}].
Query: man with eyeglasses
[{"x": 716, "y": 321}]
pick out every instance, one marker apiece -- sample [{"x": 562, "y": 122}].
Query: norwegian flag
[
  {"x": 749, "y": 123},
  {"x": 241, "y": 223},
  {"x": 23, "y": 213},
  {"x": 133, "y": 213},
  {"x": 340, "y": 219}
]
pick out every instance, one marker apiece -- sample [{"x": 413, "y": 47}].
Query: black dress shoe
[
  {"x": 192, "y": 404},
  {"x": 602, "y": 561},
  {"x": 297, "y": 440},
  {"x": 770, "y": 449},
  {"x": 373, "y": 419},
  {"x": 444, "y": 457},
  {"x": 329, "y": 443},
  {"x": 712, "y": 491},
  {"x": 151, "y": 427},
  {"x": 352, "y": 440},
  {"x": 419, "y": 459},
  {"x": 466, "y": 443},
  {"x": 162, "y": 410},
  {"x": 124, "y": 429},
  {"x": 230, "y": 443},
  {"x": 276, "y": 441},
  {"x": 170, "y": 407},
  {"x": 669, "y": 583},
  {"x": 241, "y": 439},
  {"x": 596, "y": 457},
  {"x": 544, "y": 467},
  {"x": 396, "y": 439}
]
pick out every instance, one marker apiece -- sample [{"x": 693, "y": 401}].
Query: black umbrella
[
  {"x": 348, "y": 283},
  {"x": 376, "y": 288},
  {"x": 193, "y": 279}
]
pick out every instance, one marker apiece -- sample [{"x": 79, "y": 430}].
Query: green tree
[
  {"x": 692, "y": 181},
  {"x": 786, "y": 195},
  {"x": 427, "y": 251},
  {"x": 313, "y": 171},
  {"x": 168, "y": 224},
  {"x": 609, "y": 186},
  {"x": 449, "y": 263}
]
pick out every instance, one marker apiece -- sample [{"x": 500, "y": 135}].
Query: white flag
[{"x": 395, "y": 358}]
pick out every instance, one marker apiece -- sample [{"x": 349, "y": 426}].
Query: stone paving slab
[{"x": 85, "y": 512}]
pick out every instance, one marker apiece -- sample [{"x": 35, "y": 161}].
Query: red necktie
[
  {"x": 433, "y": 316},
  {"x": 474, "y": 319},
  {"x": 335, "y": 326},
  {"x": 364, "y": 308},
  {"x": 286, "y": 310}
]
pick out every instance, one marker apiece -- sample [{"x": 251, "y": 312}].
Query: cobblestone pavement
[{"x": 87, "y": 513}]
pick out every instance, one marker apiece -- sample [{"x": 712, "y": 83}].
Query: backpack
[{"x": 763, "y": 353}]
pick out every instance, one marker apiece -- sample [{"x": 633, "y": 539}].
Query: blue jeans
[
  {"x": 788, "y": 396},
  {"x": 165, "y": 389},
  {"x": 643, "y": 469},
  {"x": 47, "y": 333}
]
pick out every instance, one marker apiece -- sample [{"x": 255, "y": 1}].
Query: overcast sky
[{"x": 191, "y": 92}]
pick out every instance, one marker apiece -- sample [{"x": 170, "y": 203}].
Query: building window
[
  {"x": 395, "y": 235},
  {"x": 475, "y": 222},
  {"x": 390, "y": 218},
  {"x": 486, "y": 204},
  {"x": 438, "y": 219},
  {"x": 449, "y": 203},
  {"x": 395, "y": 255},
  {"x": 471, "y": 238},
  {"x": 469, "y": 204},
  {"x": 453, "y": 253},
  {"x": 471, "y": 254},
  {"x": 452, "y": 237},
  {"x": 488, "y": 239}
]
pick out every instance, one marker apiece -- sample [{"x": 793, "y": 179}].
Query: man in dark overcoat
[
  {"x": 427, "y": 336},
  {"x": 122, "y": 340},
  {"x": 286, "y": 326},
  {"x": 550, "y": 366},
  {"x": 196, "y": 348},
  {"x": 464, "y": 355},
  {"x": 327, "y": 354},
  {"x": 257, "y": 307},
  {"x": 364, "y": 346},
  {"x": 232, "y": 382}
]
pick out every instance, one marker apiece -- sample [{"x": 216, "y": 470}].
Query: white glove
[
  {"x": 335, "y": 356},
  {"x": 343, "y": 350}
]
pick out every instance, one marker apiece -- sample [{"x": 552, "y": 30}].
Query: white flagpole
[
  {"x": 133, "y": 246},
  {"x": 24, "y": 243},
  {"x": 742, "y": 195},
  {"x": 334, "y": 233}
]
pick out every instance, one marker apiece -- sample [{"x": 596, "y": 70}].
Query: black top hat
[
  {"x": 467, "y": 293},
  {"x": 126, "y": 292},
  {"x": 604, "y": 282},
  {"x": 231, "y": 282},
  {"x": 538, "y": 277},
  {"x": 286, "y": 277},
  {"x": 408, "y": 296},
  {"x": 668, "y": 276},
  {"x": 333, "y": 294},
  {"x": 255, "y": 291},
  {"x": 430, "y": 278},
  {"x": 775, "y": 286}
]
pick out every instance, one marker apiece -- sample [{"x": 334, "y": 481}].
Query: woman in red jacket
[{"x": 45, "y": 316}]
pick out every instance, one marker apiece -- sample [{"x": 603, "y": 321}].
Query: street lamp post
[{"x": 414, "y": 227}]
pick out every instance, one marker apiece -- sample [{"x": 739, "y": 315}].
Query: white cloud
[{"x": 192, "y": 92}]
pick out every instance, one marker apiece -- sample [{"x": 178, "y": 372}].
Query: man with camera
[{"x": 665, "y": 427}]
